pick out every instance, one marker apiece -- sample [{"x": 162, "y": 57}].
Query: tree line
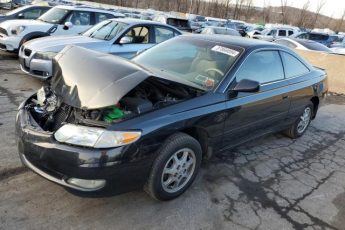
[{"x": 244, "y": 10}]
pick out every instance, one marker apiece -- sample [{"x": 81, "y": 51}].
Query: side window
[
  {"x": 293, "y": 67},
  {"x": 80, "y": 18},
  {"x": 32, "y": 14},
  {"x": 99, "y": 17},
  {"x": 290, "y": 32},
  {"x": 263, "y": 66},
  {"x": 163, "y": 34},
  {"x": 303, "y": 36},
  {"x": 138, "y": 35},
  {"x": 282, "y": 33}
]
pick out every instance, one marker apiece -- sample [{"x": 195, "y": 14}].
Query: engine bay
[{"x": 50, "y": 112}]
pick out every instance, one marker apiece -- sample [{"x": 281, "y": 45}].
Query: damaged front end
[
  {"x": 77, "y": 143},
  {"x": 104, "y": 91}
]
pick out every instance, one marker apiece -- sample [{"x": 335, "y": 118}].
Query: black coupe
[{"x": 104, "y": 121}]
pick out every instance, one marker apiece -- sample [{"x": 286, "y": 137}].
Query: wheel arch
[
  {"x": 201, "y": 136},
  {"x": 316, "y": 101},
  {"x": 31, "y": 36}
]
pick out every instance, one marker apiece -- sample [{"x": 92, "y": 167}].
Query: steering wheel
[{"x": 221, "y": 74}]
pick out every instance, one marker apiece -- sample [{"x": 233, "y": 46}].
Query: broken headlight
[{"x": 95, "y": 137}]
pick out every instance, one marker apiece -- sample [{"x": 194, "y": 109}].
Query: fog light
[{"x": 87, "y": 184}]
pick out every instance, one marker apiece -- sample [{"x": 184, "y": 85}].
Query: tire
[
  {"x": 178, "y": 172},
  {"x": 296, "y": 131}
]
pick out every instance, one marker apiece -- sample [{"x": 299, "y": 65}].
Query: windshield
[
  {"x": 54, "y": 15},
  {"x": 187, "y": 59},
  {"x": 105, "y": 30}
]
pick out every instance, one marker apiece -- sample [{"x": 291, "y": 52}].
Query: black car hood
[{"x": 90, "y": 80}]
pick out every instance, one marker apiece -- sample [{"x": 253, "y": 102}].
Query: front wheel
[
  {"x": 301, "y": 124},
  {"x": 175, "y": 168}
]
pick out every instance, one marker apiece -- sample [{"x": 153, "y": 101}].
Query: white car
[
  {"x": 274, "y": 33},
  {"x": 60, "y": 20},
  {"x": 303, "y": 44},
  {"x": 124, "y": 37}
]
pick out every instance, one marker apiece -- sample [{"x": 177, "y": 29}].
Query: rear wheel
[
  {"x": 175, "y": 168},
  {"x": 302, "y": 123}
]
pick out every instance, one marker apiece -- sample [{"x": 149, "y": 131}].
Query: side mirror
[
  {"x": 20, "y": 16},
  {"x": 126, "y": 40},
  {"x": 67, "y": 25},
  {"x": 246, "y": 85}
]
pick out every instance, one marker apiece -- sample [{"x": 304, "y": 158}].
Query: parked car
[
  {"x": 274, "y": 33},
  {"x": 303, "y": 44},
  {"x": 240, "y": 26},
  {"x": 123, "y": 37},
  {"x": 220, "y": 30},
  {"x": 322, "y": 38},
  {"x": 338, "y": 43},
  {"x": 149, "y": 121},
  {"x": 12, "y": 4},
  {"x": 60, "y": 20},
  {"x": 338, "y": 50},
  {"x": 25, "y": 12},
  {"x": 178, "y": 22}
]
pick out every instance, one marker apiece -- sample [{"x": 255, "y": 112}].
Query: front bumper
[
  {"x": 9, "y": 43},
  {"x": 38, "y": 68},
  {"x": 59, "y": 162}
]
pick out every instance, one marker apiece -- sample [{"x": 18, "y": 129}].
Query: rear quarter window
[{"x": 292, "y": 66}]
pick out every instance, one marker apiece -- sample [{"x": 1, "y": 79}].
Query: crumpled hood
[
  {"x": 30, "y": 24},
  {"x": 57, "y": 43},
  {"x": 90, "y": 80}
]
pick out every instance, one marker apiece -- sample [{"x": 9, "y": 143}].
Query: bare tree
[
  {"x": 227, "y": 8},
  {"x": 248, "y": 6},
  {"x": 320, "y": 5},
  {"x": 238, "y": 7},
  {"x": 303, "y": 14},
  {"x": 340, "y": 22},
  {"x": 266, "y": 13},
  {"x": 284, "y": 4}
]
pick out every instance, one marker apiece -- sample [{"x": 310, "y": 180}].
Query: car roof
[
  {"x": 245, "y": 43},
  {"x": 33, "y": 6},
  {"x": 219, "y": 27},
  {"x": 88, "y": 8},
  {"x": 136, "y": 21}
]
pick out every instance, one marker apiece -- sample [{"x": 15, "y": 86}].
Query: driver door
[
  {"x": 135, "y": 39},
  {"x": 250, "y": 115},
  {"x": 80, "y": 20}
]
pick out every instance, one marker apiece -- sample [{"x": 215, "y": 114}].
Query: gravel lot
[{"x": 272, "y": 183}]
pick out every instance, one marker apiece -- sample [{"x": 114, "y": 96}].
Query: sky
[{"x": 333, "y": 8}]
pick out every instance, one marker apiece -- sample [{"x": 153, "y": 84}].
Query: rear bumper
[{"x": 59, "y": 162}]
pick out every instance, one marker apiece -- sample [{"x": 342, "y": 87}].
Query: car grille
[
  {"x": 27, "y": 52},
  {"x": 3, "y": 31}
]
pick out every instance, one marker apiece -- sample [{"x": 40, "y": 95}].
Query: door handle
[{"x": 285, "y": 97}]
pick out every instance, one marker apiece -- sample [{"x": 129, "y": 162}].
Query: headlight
[
  {"x": 45, "y": 55},
  {"x": 94, "y": 137},
  {"x": 17, "y": 30}
]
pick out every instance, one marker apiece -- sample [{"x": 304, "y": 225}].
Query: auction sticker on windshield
[{"x": 225, "y": 50}]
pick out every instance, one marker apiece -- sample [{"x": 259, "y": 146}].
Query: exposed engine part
[
  {"x": 137, "y": 105},
  {"x": 51, "y": 113}
]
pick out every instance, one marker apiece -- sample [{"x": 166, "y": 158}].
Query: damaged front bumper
[{"x": 80, "y": 168}]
